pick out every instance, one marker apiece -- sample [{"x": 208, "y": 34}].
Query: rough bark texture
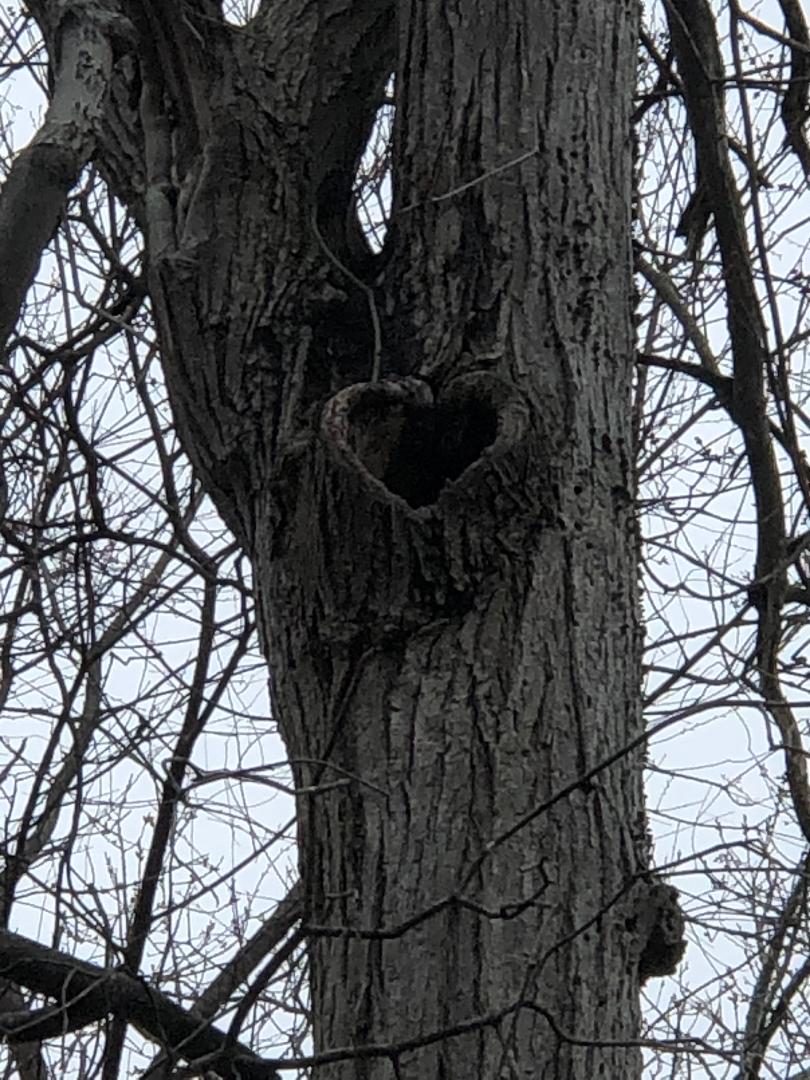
[
  {"x": 470, "y": 654},
  {"x": 445, "y": 559}
]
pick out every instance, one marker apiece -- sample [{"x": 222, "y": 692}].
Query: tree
[{"x": 426, "y": 455}]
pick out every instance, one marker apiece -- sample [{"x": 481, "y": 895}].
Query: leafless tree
[{"x": 355, "y": 280}]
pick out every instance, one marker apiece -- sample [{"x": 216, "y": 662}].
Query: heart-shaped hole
[{"x": 416, "y": 447}]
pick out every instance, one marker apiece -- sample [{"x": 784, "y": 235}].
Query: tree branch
[
  {"x": 27, "y": 1056},
  {"x": 33, "y": 196},
  {"x": 700, "y": 63},
  {"x": 794, "y": 103},
  {"x": 86, "y": 993},
  {"x": 269, "y": 934}
]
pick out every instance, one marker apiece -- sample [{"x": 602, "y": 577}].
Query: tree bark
[
  {"x": 467, "y": 649},
  {"x": 427, "y": 454}
]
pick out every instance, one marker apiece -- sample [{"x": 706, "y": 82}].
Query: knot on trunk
[{"x": 659, "y": 928}]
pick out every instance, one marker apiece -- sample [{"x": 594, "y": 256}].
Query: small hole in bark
[{"x": 416, "y": 448}]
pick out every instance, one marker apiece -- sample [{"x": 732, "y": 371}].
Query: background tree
[{"x": 424, "y": 452}]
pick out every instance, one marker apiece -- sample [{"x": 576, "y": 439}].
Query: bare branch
[
  {"x": 85, "y": 993},
  {"x": 33, "y": 196}
]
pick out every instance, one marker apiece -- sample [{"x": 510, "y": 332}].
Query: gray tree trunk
[{"x": 445, "y": 555}]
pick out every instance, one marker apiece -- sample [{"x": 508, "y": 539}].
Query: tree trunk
[
  {"x": 462, "y": 642},
  {"x": 444, "y": 556}
]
